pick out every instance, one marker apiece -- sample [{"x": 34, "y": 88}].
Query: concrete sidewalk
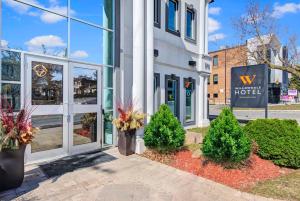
[{"x": 132, "y": 178}]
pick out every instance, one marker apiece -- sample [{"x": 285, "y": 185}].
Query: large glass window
[
  {"x": 85, "y": 128},
  {"x": 50, "y": 134},
  {"x": 47, "y": 83},
  {"x": 10, "y": 79},
  {"x": 190, "y": 24},
  {"x": 34, "y": 30},
  {"x": 85, "y": 86},
  {"x": 173, "y": 16},
  {"x": 189, "y": 86},
  {"x": 96, "y": 48},
  {"x": 99, "y": 12},
  {"x": 47, "y": 32}
]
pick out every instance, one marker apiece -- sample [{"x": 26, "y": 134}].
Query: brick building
[{"x": 219, "y": 81}]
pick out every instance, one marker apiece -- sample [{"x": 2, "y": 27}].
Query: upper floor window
[
  {"x": 216, "y": 79},
  {"x": 190, "y": 24},
  {"x": 172, "y": 17},
  {"x": 215, "y": 61},
  {"x": 157, "y": 6}
]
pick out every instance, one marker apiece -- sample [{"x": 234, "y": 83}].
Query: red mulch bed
[{"x": 244, "y": 177}]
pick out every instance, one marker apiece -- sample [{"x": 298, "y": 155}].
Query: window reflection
[
  {"x": 31, "y": 29},
  {"x": 85, "y": 128},
  {"x": 50, "y": 134},
  {"x": 95, "y": 11},
  {"x": 108, "y": 99},
  {"x": 11, "y": 66},
  {"x": 47, "y": 83},
  {"x": 85, "y": 86},
  {"x": 108, "y": 128},
  {"x": 96, "y": 48},
  {"x": 10, "y": 95},
  {"x": 108, "y": 77}
]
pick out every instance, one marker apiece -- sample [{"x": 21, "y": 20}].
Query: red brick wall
[{"x": 232, "y": 57}]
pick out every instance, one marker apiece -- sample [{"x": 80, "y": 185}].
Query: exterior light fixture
[{"x": 192, "y": 63}]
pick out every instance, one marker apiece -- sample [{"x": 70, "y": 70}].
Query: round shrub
[
  {"x": 164, "y": 132},
  {"x": 278, "y": 140},
  {"x": 226, "y": 141}
]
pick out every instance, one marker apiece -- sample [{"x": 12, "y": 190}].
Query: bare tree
[{"x": 259, "y": 23}]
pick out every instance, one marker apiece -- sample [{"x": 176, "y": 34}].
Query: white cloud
[
  {"x": 52, "y": 18},
  {"x": 213, "y": 25},
  {"x": 20, "y": 7},
  {"x": 45, "y": 17},
  {"x": 280, "y": 10},
  {"x": 3, "y": 43},
  {"x": 80, "y": 54},
  {"x": 214, "y": 10},
  {"x": 216, "y": 37},
  {"x": 48, "y": 41}
]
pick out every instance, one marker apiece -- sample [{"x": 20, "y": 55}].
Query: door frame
[
  {"x": 47, "y": 109},
  {"x": 79, "y": 109}
]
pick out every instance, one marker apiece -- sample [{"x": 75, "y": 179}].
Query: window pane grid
[
  {"x": 58, "y": 19},
  {"x": 64, "y": 14}
]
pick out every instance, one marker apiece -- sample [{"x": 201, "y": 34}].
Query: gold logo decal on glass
[{"x": 40, "y": 70}]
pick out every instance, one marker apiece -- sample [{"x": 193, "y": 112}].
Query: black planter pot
[
  {"x": 11, "y": 168},
  {"x": 126, "y": 142}
]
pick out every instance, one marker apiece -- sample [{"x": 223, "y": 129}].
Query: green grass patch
[
  {"x": 274, "y": 107},
  {"x": 286, "y": 187},
  {"x": 202, "y": 130}
]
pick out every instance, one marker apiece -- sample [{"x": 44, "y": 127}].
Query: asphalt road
[{"x": 258, "y": 114}]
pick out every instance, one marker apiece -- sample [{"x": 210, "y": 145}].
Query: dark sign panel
[{"x": 249, "y": 86}]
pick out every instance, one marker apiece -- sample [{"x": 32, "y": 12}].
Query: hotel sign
[{"x": 249, "y": 86}]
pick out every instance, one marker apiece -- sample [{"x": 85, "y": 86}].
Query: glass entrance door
[
  {"x": 46, "y": 90},
  {"x": 65, "y": 103},
  {"x": 85, "y": 107}
]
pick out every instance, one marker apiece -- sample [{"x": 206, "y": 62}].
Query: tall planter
[
  {"x": 12, "y": 168},
  {"x": 126, "y": 142}
]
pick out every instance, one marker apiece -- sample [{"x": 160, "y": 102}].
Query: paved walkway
[{"x": 119, "y": 178}]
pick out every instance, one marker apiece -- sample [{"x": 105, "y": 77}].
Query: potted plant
[
  {"x": 128, "y": 121},
  {"x": 16, "y": 132}
]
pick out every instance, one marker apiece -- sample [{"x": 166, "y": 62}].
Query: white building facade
[
  {"x": 166, "y": 44},
  {"x": 276, "y": 54},
  {"x": 71, "y": 62}
]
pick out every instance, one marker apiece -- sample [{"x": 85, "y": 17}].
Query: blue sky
[{"x": 223, "y": 12}]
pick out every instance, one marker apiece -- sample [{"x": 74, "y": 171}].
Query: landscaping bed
[
  {"x": 254, "y": 157},
  {"x": 243, "y": 177}
]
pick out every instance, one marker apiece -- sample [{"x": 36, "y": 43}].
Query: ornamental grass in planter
[
  {"x": 127, "y": 123},
  {"x": 16, "y": 132}
]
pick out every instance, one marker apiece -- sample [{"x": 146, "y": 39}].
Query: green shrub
[
  {"x": 226, "y": 141},
  {"x": 278, "y": 140},
  {"x": 164, "y": 132}
]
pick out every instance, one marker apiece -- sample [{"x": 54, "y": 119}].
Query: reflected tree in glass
[
  {"x": 11, "y": 65},
  {"x": 47, "y": 84}
]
